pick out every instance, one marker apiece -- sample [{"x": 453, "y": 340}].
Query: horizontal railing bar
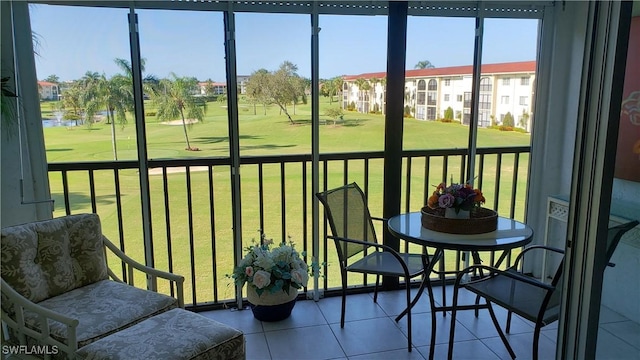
[{"x": 249, "y": 160}]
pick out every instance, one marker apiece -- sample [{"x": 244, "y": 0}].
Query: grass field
[{"x": 260, "y": 134}]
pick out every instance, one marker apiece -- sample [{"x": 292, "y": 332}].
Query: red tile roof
[
  {"x": 500, "y": 68},
  {"x": 46, "y": 83},
  {"x": 212, "y": 84}
]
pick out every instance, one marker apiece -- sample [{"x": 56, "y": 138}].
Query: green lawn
[{"x": 260, "y": 134}]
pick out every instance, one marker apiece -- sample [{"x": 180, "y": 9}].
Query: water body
[{"x": 47, "y": 123}]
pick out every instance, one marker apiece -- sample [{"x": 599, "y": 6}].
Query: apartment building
[{"x": 505, "y": 88}]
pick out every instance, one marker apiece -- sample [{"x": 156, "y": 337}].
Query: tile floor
[{"x": 370, "y": 332}]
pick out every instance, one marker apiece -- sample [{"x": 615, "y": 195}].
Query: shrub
[
  {"x": 448, "y": 114},
  {"x": 150, "y": 113},
  {"x": 376, "y": 109},
  {"x": 407, "y": 111},
  {"x": 505, "y": 128},
  {"x": 508, "y": 120}
]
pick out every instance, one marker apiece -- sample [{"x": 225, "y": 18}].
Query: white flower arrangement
[{"x": 272, "y": 269}]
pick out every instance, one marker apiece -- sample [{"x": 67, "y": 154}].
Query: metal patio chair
[
  {"x": 358, "y": 249},
  {"x": 521, "y": 293}
]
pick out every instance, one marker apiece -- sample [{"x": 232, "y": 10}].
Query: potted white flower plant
[{"x": 273, "y": 274}]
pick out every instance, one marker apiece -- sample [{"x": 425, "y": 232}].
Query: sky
[{"x": 73, "y": 40}]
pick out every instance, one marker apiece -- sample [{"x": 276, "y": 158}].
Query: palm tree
[
  {"x": 174, "y": 99},
  {"x": 363, "y": 86},
  {"x": 116, "y": 95},
  {"x": 424, "y": 64},
  {"x": 88, "y": 97},
  {"x": 374, "y": 83},
  {"x": 383, "y": 82},
  {"x": 336, "y": 87},
  {"x": 112, "y": 94}
]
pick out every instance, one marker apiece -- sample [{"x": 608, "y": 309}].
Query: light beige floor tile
[
  {"x": 369, "y": 336},
  {"x": 313, "y": 342},
  {"x": 305, "y": 313},
  {"x": 358, "y": 307}
]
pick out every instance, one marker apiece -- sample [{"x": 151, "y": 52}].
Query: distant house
[
  {"x": 48, "y": 90},
  {"x": 217, "y": 88},
  {"x": 242, "y": 83},
  {"x": 504, "y": 88}
]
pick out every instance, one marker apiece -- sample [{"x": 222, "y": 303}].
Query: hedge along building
[{"x": 504, "y": 88}]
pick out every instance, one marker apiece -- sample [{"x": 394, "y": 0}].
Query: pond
[{"x": 46, "y": 123}]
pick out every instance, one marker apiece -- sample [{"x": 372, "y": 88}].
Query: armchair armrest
[
  {"x": 152, "y": 274},
  {"x": 42, "y": 332}
]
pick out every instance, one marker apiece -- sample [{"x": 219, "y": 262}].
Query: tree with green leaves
[
  {"x": 374, "y": 83},
  {"x": 52, "y": 79},
  {"x": 257, "y": 89},
  {"x": 113, "y": 94},
  {"x": 524, "y": 119},
  {"x": 424, "y": 64},
  {"x": 448, "y": 113},
  {"x": 283, "y": 87},
  {"x": 337, "y": 83},
  {"x": 508, "y": 120},
  {"x": 334, "y": 113},
  {"x": 363, "y": 87},
  {"x": 174, "y": 99}
]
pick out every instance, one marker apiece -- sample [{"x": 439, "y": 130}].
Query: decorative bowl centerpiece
[{"x": 457, "y": 209}]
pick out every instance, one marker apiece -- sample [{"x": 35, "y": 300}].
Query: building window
[
  {"x": 420, "y": 112},
  {"x": 504, "y": 100},
  {"x": 431, "y": 98},
  {"x": 433, "y": 85},
  {"x": 467, "y": 100},
  {"x": 485, "y": 85},
  {"x": 506, "y": 81},
  {"x": 502, "y": 118},
  {"x": 459, "y": 98},
  {"x": 447, "y": 82},
  {"x": 446, "y": 97},
  {"x": 422, "y": 95},
  {"x": 431, "y": 113},
  {"x": 524, "y": 80},
  {"x": 485, "y": 102},
  {"x": 524, "y": 100}
]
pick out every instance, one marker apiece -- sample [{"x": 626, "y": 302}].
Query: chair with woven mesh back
[
  {"x": 519, "y": 292},
  {"x": 357, "y": 246}
]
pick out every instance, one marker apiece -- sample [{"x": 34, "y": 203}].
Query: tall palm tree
[
  {"x": 374, "y": 83},
  {"x": 424, "y": 64},
  {"x": 112, "y": 94},
  {"x": 363, "y": 86},
  {"x": 174, "y": 99},
  {"x": 116, "y": 94},
  {"x": 336, "y": 86},
  {"x": 88, "y": 97}
]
